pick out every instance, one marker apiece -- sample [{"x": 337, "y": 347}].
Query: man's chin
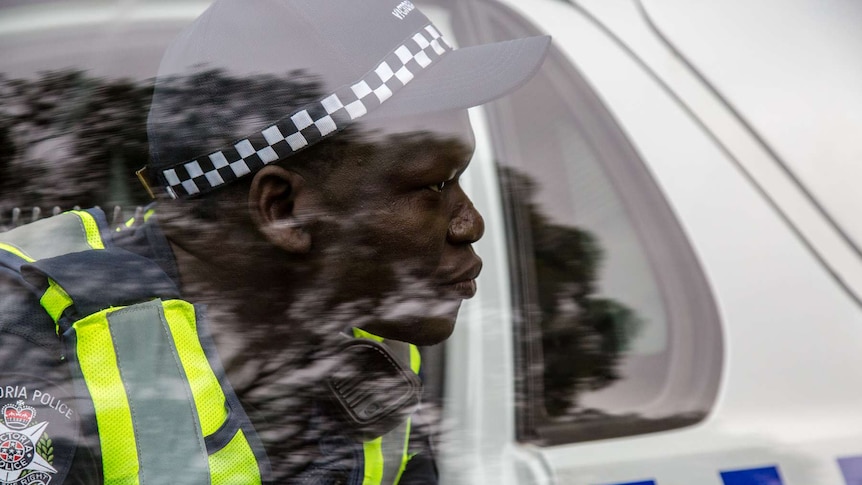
[{"x": 417, "y": 330}]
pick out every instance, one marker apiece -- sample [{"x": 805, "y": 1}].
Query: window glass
[
  {"x": 611, "y": 306},
  {"x": 607, "y": 345}
]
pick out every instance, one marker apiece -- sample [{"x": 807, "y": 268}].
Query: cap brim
[{"x": 469, "y": 77}]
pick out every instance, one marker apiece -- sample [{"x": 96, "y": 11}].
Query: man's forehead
[
  {"x": 393, "y": 154},
  {"x": 443, "y": 126},
  {"x": 436, "y": 145}
]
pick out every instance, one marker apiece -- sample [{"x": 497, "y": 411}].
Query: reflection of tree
[
  {"x": 204, "y": 111},
  {"x": 583, "y": 336},
  {"x": 68, "y": 139},
  {"x": 64, "y": 136}
]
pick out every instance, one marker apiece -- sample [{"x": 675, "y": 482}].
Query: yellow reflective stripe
[
  {"x": 206, "y": 390},
  {"x": 131, "y": 222},
  {"x": 234, "y": 464},
  {"x": 55, "y": 301},
  {"x": 404, "y": 457},
  {"x": 91, "y": 229},
  {"x": 98, "y": 361},
  {"x": 373, "y": 461},
  {"x": 415, "y": 359},
  {"x": 359, "y": 333},
  {"x": 17, "y": 252}
]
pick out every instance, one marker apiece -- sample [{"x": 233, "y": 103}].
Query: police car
[{"x": 673, "y": 274}]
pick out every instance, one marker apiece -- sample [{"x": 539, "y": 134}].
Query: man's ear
[{"x": 276, "y": 197}]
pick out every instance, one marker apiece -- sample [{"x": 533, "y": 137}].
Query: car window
[
  {"x": 611, "y": 307},
  {"x": 617, "y": 331}
]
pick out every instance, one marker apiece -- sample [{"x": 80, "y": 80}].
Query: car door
[{"x": 647, "y": 303}]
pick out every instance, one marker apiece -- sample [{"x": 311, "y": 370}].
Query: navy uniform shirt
[{"x": 44, "y": 430}]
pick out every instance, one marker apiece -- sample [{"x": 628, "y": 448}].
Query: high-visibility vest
[
  {"x": 164, "y": 409},
  {"x": 386, "y": 457}
]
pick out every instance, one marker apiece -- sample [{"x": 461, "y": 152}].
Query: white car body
[
  {"x": 744, "y": 120},
  {"x": 785, "y": 279}
]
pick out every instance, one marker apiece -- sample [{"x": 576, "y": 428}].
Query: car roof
[{"x": 792, "y": 69}]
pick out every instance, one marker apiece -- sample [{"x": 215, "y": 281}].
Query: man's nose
[{"x": 467, "y": 225}]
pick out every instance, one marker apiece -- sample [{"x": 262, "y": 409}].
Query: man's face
[{"x": 396, "y": 244}]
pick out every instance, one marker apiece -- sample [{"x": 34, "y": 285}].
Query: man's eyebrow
[{"x": 440, "y": 158}]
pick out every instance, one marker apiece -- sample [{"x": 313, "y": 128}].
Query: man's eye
[{"x": 438, "y": 187}]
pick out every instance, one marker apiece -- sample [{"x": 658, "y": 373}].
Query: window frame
[{"x": 686, "y": 294}]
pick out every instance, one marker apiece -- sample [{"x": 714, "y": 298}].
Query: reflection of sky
[
  {"x": 793, "y": 68},
  {"x": 625, "y": 274},
  {"x": 105, "y": 38},
  {"x": 572, "y": 190}
]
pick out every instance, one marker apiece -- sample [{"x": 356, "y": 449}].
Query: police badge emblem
[
  {"x": 18, "y": 447},
  {"x": 38, "y": 429}
]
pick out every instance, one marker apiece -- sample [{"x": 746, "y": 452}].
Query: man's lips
[
  {"x": 463, "y": 285},
  {"x": 463, "y": 289}
]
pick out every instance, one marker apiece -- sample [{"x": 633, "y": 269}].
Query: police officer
[{"x": 311, "y": 231}]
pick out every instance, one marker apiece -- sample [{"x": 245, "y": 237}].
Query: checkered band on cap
[{"x": 310, "y": 124}]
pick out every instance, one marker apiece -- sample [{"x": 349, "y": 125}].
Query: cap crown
[{"x": 338, "y": 40}]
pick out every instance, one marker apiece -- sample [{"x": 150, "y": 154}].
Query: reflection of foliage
[
  {"x": 583, "y": 348},
  {"x": 209, "y": 109},
  {"x": 64, "y": 136},
  {"x": 69, "y": 139},
  {"x": 583, "y": 335}
]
